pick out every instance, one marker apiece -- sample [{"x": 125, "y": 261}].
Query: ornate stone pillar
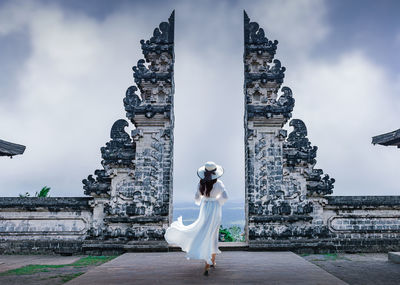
[
  {"x": 133, "y": 193},
  {"x": 280, "y": 178},
  {"x": 153, "y": 117}
]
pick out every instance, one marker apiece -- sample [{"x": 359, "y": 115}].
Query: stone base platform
[
  {"x": 114, "y": 248},
  {"x": 233, "y": 267}
]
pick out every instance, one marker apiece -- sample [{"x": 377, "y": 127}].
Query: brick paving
[{"x": 233, "y": 267}]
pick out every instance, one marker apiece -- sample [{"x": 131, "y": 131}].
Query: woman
[{"x": 200, "y": 239}]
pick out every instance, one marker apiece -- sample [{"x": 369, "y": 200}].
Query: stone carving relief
[
  {"x": 119, "y": 152},
  {"x": 298, "y": 152},
  {"x": 126, "y": 189}
]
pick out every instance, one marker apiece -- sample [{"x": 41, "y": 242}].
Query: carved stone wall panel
[
  {"x": 162, "y": 63},
  {"x": 361, "y": 224},
  {"x": 257, "y": 62},
  {"x": 36, "y": 226},
  {"x": 126, "y": 189},
  {"x": 65, "y": 224},
  {"x": 152, "y": 179},
  {"x": 156, "y": 93}
]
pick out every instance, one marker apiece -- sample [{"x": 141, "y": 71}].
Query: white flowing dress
[{"x": 200, "y": 239}]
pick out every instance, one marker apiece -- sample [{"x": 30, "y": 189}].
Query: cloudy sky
[{"x": 65, "y": 67}]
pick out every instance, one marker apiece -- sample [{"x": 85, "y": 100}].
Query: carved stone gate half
[
  {"x": 132, "y": 194},
  {"x": 284, "y": 193}
]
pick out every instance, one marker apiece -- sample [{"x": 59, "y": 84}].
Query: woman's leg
[
  {"x": 213, "y": 258},
  {"x": 216, "y": 246},
  {"x": 216, "y": 238}
]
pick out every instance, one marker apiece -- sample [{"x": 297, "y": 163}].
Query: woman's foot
[{"x": 206, "y": 269}]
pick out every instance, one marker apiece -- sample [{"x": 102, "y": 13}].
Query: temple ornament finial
[
  {"x": 255, "y": 39},
  {"x": 162, "y": 39},
  {"x": 298, "y": 152},
  {"x": 119, "y": 152},
  {"x": 264, "y": 76},
  {"x": 154, "y": 75}
]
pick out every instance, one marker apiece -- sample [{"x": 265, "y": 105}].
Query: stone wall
[
  {"x": 44, "y": 225},
  {"x": 364, "y": 222},
  {"x": 353, "y": 224}
]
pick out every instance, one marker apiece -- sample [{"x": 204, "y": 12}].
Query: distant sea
[{"x": 232, "y": 213}]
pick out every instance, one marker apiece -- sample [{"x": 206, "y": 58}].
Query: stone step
[
  {"x": 115, "y": 247},
  {"x": 104, "y": 248}
]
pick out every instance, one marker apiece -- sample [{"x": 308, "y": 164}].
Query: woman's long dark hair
[{"x": 206, "y": 186}]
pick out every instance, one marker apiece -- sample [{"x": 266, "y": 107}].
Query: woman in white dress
[{"x": 200, "y": 239}]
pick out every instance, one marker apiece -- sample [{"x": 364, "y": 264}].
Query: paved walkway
[
  {"x": 233, "y": 267},
  {"x": 8, "y": 262}
]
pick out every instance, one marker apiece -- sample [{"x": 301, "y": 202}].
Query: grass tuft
[
  {"x": 30, "y": 269},
  {"x": 92, "y": 261},
  {"x": 67, "y": 277},
  {"x": 36, "y": 268}
]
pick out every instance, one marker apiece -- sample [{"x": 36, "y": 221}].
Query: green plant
[
  {"x": 44, "y": 192},
  {"x": 64, "y": 277},
  {"x": 92, "y": 260},
  {"x": 225, "y": 235},
  {"x": 236, "y": 233},
  {"x": 68, "y": 277},
  {"x": 232, "y": 234},
  {"x": 30, "y": 269}
]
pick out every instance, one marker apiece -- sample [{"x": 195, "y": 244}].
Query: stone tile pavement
[{"x": 233, "y": 267}]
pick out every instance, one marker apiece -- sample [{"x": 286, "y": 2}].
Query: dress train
[{"x": 200, "y": 239}]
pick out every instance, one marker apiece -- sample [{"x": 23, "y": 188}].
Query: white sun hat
[{"x": 210, "y": 171}]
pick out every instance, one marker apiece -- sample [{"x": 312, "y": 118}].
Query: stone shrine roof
[
  {"x": 10, "y": 149},
  {"x": 392, "y": 138}
]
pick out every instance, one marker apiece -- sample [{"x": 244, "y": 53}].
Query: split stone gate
[{"x": 287, "y": 201}]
